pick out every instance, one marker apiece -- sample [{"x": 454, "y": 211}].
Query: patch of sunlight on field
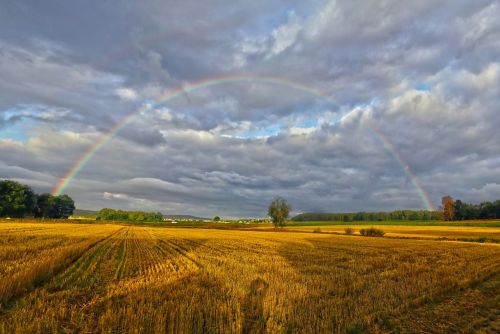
[
  {"x": 451, "y": 232},
  {"x": 146, "y": 279}
]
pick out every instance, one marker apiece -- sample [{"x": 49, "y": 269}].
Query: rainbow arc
[{"x": 169, "y": 95}]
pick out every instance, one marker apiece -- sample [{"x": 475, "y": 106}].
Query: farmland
[
  {"x": 64, "y": 277},
  {"x": 421, "y": 232}
]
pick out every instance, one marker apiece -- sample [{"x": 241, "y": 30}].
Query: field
[
  {"x": 424, "y": 223},
  {"x": 457, "y": 233},
  {"x": 64, "y": 277}
]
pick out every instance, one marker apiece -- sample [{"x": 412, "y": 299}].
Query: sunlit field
[
  {"x": 117, "y": 278},
  {"x": 492, "y": 234}
]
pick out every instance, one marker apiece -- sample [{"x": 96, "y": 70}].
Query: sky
[{"x": 334, "y": 105}]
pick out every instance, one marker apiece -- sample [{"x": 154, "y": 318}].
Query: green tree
[
  {"x": 459, "y": 210},
  {"x": 110, "y": 214},
  {"x": 216, "y": 219},
  {"x": 278, "y": 210},
  {"x": 42, "y": 205},
  {"x": 16, "y": 200},
  {"x": 60, "y": 207}
]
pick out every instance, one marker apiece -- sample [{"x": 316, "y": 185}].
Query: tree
[
  {"x": 42, "y": 205},
  {"x": 278, "y": 211},
  {"x": 216, "y": 219},
  {"x": 448, "y": 207},
  {"x": 60, "y": 207},
  {"x": 110, "y": 214},
  {"x": 16, "y": 200}
]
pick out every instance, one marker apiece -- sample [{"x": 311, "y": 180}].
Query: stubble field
[{"x": 120, "y": 279}]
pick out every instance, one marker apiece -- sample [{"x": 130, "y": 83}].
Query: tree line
[
  {"x": 111, "y": 214},
  {"x": 458, "y": 210},
  {"x": 368, "y": 216},
  {"x": 18, "y": 200}
]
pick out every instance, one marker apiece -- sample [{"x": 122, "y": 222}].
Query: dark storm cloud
[{"x": 423, "y": 75}]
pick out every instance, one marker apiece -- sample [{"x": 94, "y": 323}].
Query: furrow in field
[
  {"x": 41, "y": 270},
  {"x": 143, "y": 254},
  {"x": 148, "y": 258},
  {"x": 155, "y": 263},
  {"x": 166, "y": 263},
  {"x": 181, "y": 251},
  {"x": 90, "y": 266},
  {"x": 121, "y": 255},
  {"x": 150, "y": 262},
  {"x": 131, "y": 260}
]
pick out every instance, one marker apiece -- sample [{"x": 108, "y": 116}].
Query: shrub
[
  {"x": 317, "y": 230},
  {"x": 349, "y": 230},
  {"x": 372, "y": 232}
]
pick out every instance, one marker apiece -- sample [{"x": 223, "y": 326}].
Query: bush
[
  {"x": 317, "y": 230},
  {"x": 372, "y": 232},
  {"x": 349, "y": 230}
]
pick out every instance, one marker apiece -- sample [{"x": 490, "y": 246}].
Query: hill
[
  {"x": 93, "y": 213},
  {"x": 85, "y": 213},
  {"x": 184, "y": 217}
]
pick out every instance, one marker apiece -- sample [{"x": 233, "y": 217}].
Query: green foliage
[
  {"x": 484, "y": 210},
  {"x": 55, "y": 207},
  {"x": 42, "y": 205},
  {"x": 360, "y": 328},
  {"x": 480, "y": 240},
  {"x": 216, "y": 219},
  {"x": 371, "y": 232},
  {"x": 16, "y": 200},
  {"x": 60, "y": 207},
  {"x": 278, "y": 210},
  {"x": 413, "y": 215},
  {"x": 456, "y": 210},
  {"x": 138, "y": 216}
]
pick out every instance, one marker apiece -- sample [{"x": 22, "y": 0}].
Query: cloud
[
  {"x": 107, "y": 195},
  {"x": 127, "y": 94},
  {"x": 399, "y": 87}
]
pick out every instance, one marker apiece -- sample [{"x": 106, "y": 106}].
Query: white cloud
[
  {"x": 297, "y": 131},
  {"x": 127, "y": 94},
  {"x": 108, "y": 195},
  {"x": 285, "y": 35}
]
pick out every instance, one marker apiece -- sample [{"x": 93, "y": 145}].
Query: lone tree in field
[{"x": 278, "y": 211}]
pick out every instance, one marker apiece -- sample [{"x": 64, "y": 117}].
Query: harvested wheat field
[
  {"x": 120, "y": 279},
  {"x": 434, "y": 232}
]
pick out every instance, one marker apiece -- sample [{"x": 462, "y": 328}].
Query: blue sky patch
[
  {"x": 269, "y": 131},
  {"x": 423, "y": 87}
]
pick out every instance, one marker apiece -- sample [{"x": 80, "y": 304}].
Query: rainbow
[
  {"x": 406, "y": 167},
  {"x": 169, "y": 95}
]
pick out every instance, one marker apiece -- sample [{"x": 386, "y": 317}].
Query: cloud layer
[{"x": 395, "y": 91}]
